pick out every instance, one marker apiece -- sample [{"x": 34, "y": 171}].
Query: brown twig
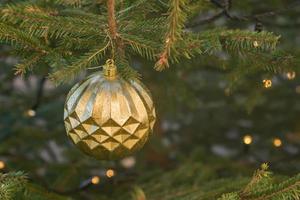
[
  {"x": 112, "y": 24},
  {"x": 226, "y": 12},
  {"x": 116, "y": 41}
]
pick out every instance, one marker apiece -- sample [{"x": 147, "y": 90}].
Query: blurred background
[{"x": 215, "y": 120}]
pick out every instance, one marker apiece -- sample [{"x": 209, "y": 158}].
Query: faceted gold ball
[{"x": 109, "y": 117}]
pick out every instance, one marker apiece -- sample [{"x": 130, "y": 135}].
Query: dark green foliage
[
  {"x": 262, "y": 186},
  {"x": 12, "y": 185},
  {"x": 78, "y": 38},
  {"x": 217, "y": 63}
]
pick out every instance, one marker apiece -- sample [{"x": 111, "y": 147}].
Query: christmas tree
[{"x": 223, "y": 76}]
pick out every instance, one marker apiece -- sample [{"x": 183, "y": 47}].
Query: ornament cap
[{"x": 110, "y": 70}]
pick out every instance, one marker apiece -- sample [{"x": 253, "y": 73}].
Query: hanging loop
[{"x": 110, "y": 69}]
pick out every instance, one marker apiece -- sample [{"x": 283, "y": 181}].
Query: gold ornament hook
[{"x": 110, "y": 69}]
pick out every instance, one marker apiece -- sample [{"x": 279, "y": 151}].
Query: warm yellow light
[
  {"x": 247, "y": 139},
  {"x": 277, "y": 142},
  {"x": 291, "y": 75},
  {"x": 31, "y": 113},
  {"x": 110, "y": 173},
  {"x": 95, "y": 180},
  {"x": 128, "y": 162},
  {"x": 267, "y": 83},
  {"x": 2, "y": 165},
  {"x": 255, "y": 44}
]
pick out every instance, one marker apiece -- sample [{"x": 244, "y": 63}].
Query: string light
[
  {"x": 291, "y": 75},
  {"x": 247, "y": 139},
  {"x": 2, "y": 164},
  {"x": 128, "y": 162},
  {"x": 277, "y": 142},
  {"x": 255, "y": 44},
  {"x": 110, "y": 173},
  {"x": 267, "y": 83},
  {"x": 31, "y": 113},
  {"x": 95, "y": 180}
]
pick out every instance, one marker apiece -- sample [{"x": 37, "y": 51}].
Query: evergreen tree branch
[
  {"x": 126, "y": 71},
  {"x": 251, "y": 18},
  {"x": 262, "y": 41},
  {"x": 112, "y": 24},
  {"x": 261, "y": 187},
  {"x": 259, "y": 178},
  {"x": 74, "y": 3},
  {"x": 36, "y": 21},
  {"x": 12, "y": 185},
  {"x": 176, "y": 20},
  {"x": 19, "y": 39},
  {"x": 236, "y": 42},
  {"x": 141, "y": 46},
  {"x": 76, "y": 44},
  {"x": 289, "y": 189},
  {"x": 118, "y": 51},
  {"x": 28, "y": 63},
  {"x": 93, "y": 57}
]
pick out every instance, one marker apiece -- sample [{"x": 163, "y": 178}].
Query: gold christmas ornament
[{"x": 108, "y": 117}]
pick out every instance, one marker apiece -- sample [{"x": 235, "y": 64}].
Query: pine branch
[
  {"x": 238, "y": 40},
  {"x": 198, "y": 6},
  {"x": 93, "y": 57},
  {"x": 112, "y": 24},
  {"x": 125, "y": 70},
  {"x": 14, "y": 185},
  {"x": 148, "y": 28},
  {"x": 28, "y": 63},
  {"x": 176, "y": 20},
  {"x": 276, "y": 62},
  {"x": 141, "y": 46},
  {"x": 19, "y": 39},
  {"x": 11, "y": 185},
  {"x": 74, "y": 3},
  {"x": 118, "y": 51},
  {"x": 289, "y": 189},
  {"x": 261, "y": 187},
  {"x": 139, "y": 36},
  {"x": 76, "y": 44},
  {"x": 82, "y": 14},
  {"x": 230, "y": 196},
  {"x": 135, "y": 10},
  {"x": 38, "y": 21},
  {"x": 260, "y": 178}
]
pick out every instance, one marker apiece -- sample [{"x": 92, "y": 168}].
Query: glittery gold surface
[{"x": 109, "y": 118}]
